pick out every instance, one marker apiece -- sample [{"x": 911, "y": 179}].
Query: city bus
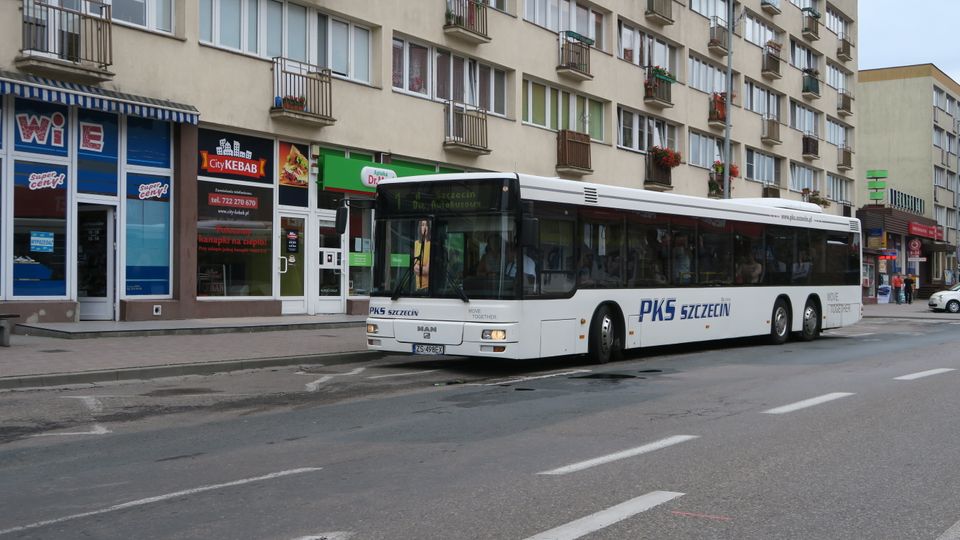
[{"x": 509, "y": 265}]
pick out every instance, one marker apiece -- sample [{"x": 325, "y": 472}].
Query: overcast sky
[{"x": 901, "y": 33}]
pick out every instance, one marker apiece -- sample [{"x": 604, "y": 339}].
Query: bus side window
[{"x": 555, "y": 256}]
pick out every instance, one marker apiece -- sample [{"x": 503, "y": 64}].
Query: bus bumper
[{"x": 474, "y": 339}]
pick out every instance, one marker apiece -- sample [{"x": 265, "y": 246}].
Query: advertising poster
[
  {"x": 294, "y": 174},
  {"x": 234, "y": 240},
  {"x": 148, "y": 235},
  {"x": 40, "y": 229},
  {"x": 40, "y": 128},
  {"x": 148, "y": 142},
  {"x": 97, "y": 151},
  {"x": 235, "y": 157}
]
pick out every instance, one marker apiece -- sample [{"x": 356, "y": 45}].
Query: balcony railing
[
  {"x": 811, "y": 24},
  {"x": 467, "y": 19},
  {"x": 844, "y": 158},
  {"x": 770, "y": 6},
  {"x": 657, "y": 89},
  {"x": 465, "y": 129},
  {"x": 574, "y": 59},
  {"x": 811, "y": 146},
  {"x": 573, "y": 152},
  {"x": 770, "y": 133},
  {"x": 845, "y": 48},
  {"x": 717, "y": 110},
  {"x": 658, "y": 178},
  {"x": 771, "y": 61},
  {"x": 302, "y": 92},
  {"x": 660, "y": 11},
  {"x": 58, "y": 40},
  {"x": 718, "y": 36},
  {"x": 844, "y": 103},
  {"x": 811, "y": 86}
]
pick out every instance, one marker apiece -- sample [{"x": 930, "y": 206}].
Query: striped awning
[{"x": 91, "y": 97}]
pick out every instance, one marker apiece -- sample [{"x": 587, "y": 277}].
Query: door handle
[{"x": 285, "y": 266}]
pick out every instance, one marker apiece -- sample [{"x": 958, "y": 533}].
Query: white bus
[{"x": 515, "y": 266}]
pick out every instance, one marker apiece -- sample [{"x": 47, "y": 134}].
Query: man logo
[{"x": 426, "y": 335}]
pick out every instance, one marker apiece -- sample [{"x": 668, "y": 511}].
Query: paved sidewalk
[{"x": 917, "y": 310}]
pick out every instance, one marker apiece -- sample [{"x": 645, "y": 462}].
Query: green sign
[
  {"x": 343, "y": 174},
  {"x": 877, "y": 184},
  {"x": 401, "y": 260},
  {"x": 364, "y": 258},
  {"x": 877, "y": 173},
  {"x": 876, "y": 195}
]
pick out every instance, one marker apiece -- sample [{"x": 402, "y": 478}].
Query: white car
[{"x": 948, "y": 300}]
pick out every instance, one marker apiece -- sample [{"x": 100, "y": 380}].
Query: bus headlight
[
  {"x": 373, "y": 328},
  {"x": 494, "y": 335}
]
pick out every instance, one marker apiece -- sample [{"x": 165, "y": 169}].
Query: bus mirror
[
  {"x": 530, "y": 231},
  {"x": 342, "y": 214}
]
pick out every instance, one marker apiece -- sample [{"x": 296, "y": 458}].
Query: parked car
[{"x": 948, "y": 300}]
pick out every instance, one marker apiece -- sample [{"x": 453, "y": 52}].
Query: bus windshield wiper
[
  {"x": 403, "y": 280},
  {"x": 458, "y": 287}
]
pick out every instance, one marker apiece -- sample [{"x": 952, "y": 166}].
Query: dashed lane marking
[
  {"x": 663, "y": 443},
  {"x": 605, "y": 518},
  {"x": 533, "y": 378},
  {"x": 808, "y": 403},
  {"x": 97, "y": 430},
  {"x": 402, "y": 374},
  {"x": 922, "y": 374},
  {"x": 953, "y": 533},
  {"x": 336, "y": 535},
  {"x": 315, "y": 385}
]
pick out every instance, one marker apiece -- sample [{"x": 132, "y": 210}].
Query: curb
[
  {"x": 27, "y": 330},
  {"x": 177, "y": 370}
]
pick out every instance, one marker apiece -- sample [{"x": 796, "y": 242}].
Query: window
[
  {"x": 637, "y": 132},
  {"x": 836, "y": 133},
  {"x": 411, "y": 67},
  {"x": 763, "y": 168},
  {"x": 644, "y": 49},
  {"x": 761, "y": 100},
  {"x": 804, "y": 3},
  {"x": 804, "y": 119},
  {"x": 560, "y": 15},
  {"x": 836, "y": 77},
  {"x": 758, "y": 32},
  {"x": 802, "y": 178},
  {"x": 940, "y": 213},
  {"x": 706, "y": 77},
  {"x": 938, "y": 137},
  {"x": 704, "y": 150},
  {"x": 838, "y": 189},
  {"x": 153, "y": 14},
  {"x": 710, "y": 8},
  {"x": 554, "y": 108},
  {"x": 466, "y": 80},
  {"x": 939, "y": 98},
  {"x": 343, "y": 47},
  {"x": 939, "y": 177},
  {"x": 802, "y": 57},
  {"x": 836, "y": 22}
]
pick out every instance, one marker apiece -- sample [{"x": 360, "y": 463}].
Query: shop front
[{"x": 86, "y": 184}]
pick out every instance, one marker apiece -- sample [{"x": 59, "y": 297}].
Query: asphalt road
[{"x": 722, "y": 440}]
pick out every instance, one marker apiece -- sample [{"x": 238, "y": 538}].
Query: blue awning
[{"x": 91, "y": 97}]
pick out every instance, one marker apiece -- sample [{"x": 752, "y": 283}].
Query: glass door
[
  {"x": 292, "y": 263},
  {"x": 95, "y": 262},
  {"x": 330, "y": 269}
]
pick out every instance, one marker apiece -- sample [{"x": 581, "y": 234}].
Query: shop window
[
  {"x": 148, "y": 235},
  {"x": 39, "y": 229},
  {"x": 97, "y": 151},
  {"x": 148, "y": 142},
  {"x": 360, "y": 251},
  {"x": 41, "y": 128},
  {"x": 293, "y": 171}
]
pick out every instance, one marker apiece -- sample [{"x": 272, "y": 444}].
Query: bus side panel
[{"x": 558, "y": 337}]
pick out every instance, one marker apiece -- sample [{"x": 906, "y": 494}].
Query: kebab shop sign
[{"x": 371, "y": 176}]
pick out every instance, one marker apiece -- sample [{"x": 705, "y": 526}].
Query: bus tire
[
  {"x": 779, "y": 322},
  {"x": 810, "y": 328},
  {"x": 605, "y": 343}
]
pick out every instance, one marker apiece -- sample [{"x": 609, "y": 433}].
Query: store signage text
[
  {"x": 91, "y": 137},
  {"x": 46, "y": 180},
  {"x": 927, "y": 231},
  {"x": 233, "y": 201},
  {"x": 371, "y": 176},
  {"x": 40, "y": 129},
  {"x": 230, "y": 159},
  {"x": 156, "y": 190}
]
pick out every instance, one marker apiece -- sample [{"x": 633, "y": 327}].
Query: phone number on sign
[{"x": 233, "y": 201}]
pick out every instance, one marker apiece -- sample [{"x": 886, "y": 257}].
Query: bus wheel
[
  {"x": 811, "y": 322},
  {"x": 779, "y": 323},
  {"x": 604, "y": 343}
]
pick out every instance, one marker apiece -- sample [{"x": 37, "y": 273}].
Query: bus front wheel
[
  {"x": 604, "y": 343},
  {"x": 779, "y": 323}
]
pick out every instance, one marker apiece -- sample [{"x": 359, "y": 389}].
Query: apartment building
[
  {"x": 910, "y": 224},
  {"x": 211, "y": 141}
]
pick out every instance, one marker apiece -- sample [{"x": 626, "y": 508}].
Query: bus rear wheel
[
  {"x": 779, "y": 323},
  {"x": 605, "y": 343},
  {"x": 811, "y": 322}
]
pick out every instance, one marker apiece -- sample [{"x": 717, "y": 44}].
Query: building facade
[
  {"x": 211, "y": 142},
  {"x": 911, "y": 224}
]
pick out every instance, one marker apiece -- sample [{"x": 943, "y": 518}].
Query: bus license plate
[{"x": 421, "y": 348}]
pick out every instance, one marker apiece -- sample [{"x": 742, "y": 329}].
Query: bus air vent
[
  {"x": 590, "y": 195},
  {"x": 854, "y": 227}
]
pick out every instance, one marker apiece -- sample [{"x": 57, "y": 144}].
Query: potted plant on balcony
[
  {"x": 811, "y": 71},
  {"x": 664, "y": 157},
  {"x": 813, "y": 196},
  {"x": 294, "y": 103},
  {"x": 774, "y": 47},
  {"x": 715, "y": 179}
]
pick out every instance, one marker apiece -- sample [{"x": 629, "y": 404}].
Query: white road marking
[
  {"x": 336, "y": 535},
  {"x": 91, "y": 402},
  {"x": 533, "y": 378},
  {"x": 315, "y": 385},
  {"x": 97, "y": 430},
  {"x": 158, "y": 498},
  {"x": 864, "y": 334},
  {"x": 402, "y": 374},
  {"x": 953, "y": 533},
  {"x": 808, "y": 403},
  {"x": 921, "y": 374},
  {"x": 605, "y": 518},
  {"x": 663, "y": 443}
]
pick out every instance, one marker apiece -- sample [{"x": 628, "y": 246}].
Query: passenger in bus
[
  {"x": 529, "y": 266},
  {"x": 749, "y": 270},
  {"x": 489, "y": 265},
  {"x": 682, "y": 260},
  {"x": 587, "y": 270}
]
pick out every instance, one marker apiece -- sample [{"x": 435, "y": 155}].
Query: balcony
[
  {"x": 465, "y": 129},
  {"x": 771, "y": 191},
  {"x": 574, "y": 60},
  {"x": 771, "y": 7},
  {"x": 657, "y": 178},
  {"x": 811, "y": 146},
  {"x": 467, "y": 20},
  {"x": 844, "y": 49},
  {"x": 302, "y": 93},
  {"x": 844, "y": 103},
  {"x": 573, "y": 153},
  {"x": 657, "y": 88},
  {"x": 718, "y": 36},
  {"x": 844, "y": 158},
  {"x": 771, "y": 61},
  {"x": 811, "y": 85},
  {"x": 811, "y": 24},
  {"x": 660, "y": 12},
  {"x": 717, "y": 110},
  {"x": 69, "y": 43},
  {"x": 770, "y": 132}
]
